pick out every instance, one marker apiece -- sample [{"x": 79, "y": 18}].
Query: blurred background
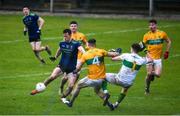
[{"x": 142, "y": 7}]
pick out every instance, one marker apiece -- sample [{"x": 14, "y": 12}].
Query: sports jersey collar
[
  {"x": 91, "y": 48},
  {"x": 155, "y": 31},
  {"x": 69, "y": 41},
  {"x": 134, "y": 54}
]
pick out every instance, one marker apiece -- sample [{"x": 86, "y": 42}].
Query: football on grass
[{"x": 40, "y": 87}]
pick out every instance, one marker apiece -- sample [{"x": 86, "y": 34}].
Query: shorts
[
  {"x": 90, "y": 82},
  {"x": 114, "y": 79},
  {"x": 35, "y": 39},
  {"x": 67, "y": 71},
  {"x": 156, "y": 63}
]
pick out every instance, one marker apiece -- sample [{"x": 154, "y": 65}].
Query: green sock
[
  {"x": 121, "y": 97},
  {"x": 104, "y": 86}
]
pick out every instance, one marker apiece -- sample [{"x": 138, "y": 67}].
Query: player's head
[
  {"x": 135, "y": 47},
  {"x": 73, "y": 25},
  {"x": 153, "y": 25},
  {"x": 26, "y": 11},
  {"x": 92, "y": 42},
  {"x": 67, "y": 34}
]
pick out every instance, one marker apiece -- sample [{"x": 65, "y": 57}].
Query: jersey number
[{"x": 96, "y": 61}]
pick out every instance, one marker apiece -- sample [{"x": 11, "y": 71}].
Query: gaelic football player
[
  {"x": 33, "y": 25},
  {"x": 94, "y": 58},
  {"x": 131, "y": 63},
  {"x": 153, "y": 41}
]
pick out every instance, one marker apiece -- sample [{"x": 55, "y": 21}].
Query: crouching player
[
  {"x": 131, "y": 63},
  {"x": 94, "y": 58}
]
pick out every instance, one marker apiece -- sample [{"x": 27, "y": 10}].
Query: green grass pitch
[{"x": 20, "y": 70}]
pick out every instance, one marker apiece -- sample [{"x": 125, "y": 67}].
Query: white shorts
[
  {"x": 114, "y": 79},
  {"x": 90, "y": 82},
  {"x": 157, "y": 63}
]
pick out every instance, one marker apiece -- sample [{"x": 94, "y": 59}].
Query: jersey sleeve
[
  {"x": 83, "y": 58},
  {"x": 60, "y": 44},
  {"x": 123, "y": 56},
  {"x": 84, "y": 38},
  {"x": 145, "y": 38},
  {"x": 144, "y": 60},
  {"x": 165, "y": 36},
  {"x": 78, "y": 44},
  {"x": 104, "y": 52},
  {"x": 36, "y": 17}
]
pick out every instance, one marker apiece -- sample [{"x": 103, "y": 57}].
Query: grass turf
[{"x": 20, "y": 70}]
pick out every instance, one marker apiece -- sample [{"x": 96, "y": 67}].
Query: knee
[
  {"x": 158, "y": 75},
  {"x": 78, "y": 86},
  {"x": 96, "y": 90},
  {"x": 71, "y": 85},
  {"x": 149, "y": 74},
  {"x": 34, "y": 50}
]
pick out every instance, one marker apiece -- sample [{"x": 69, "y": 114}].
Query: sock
[
  {"x": 67, "y": 92},
  {"x": 104, "y": 86},
  {"x": 148, "y": 82},
  {"x": 121, "y": 97}
]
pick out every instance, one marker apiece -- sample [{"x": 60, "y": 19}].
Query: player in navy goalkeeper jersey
[
  {"x": 68, "y": 49},
  {"x": 33, "y": 25}
]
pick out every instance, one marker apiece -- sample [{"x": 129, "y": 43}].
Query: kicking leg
[
  {"x": 56, "y": 72},
  {"x": 121, "y": 96}
]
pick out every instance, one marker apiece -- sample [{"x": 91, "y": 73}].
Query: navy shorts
[
  {"x": 65, "y": 70},
  {"x": 35, "y": 39}
]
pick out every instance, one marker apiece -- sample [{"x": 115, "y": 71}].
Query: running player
[
  {"x": 68, "y": 48},
  {"x": 94, "y": 58},
  {"x": 33, "y": 25},
  {"x": 153, "y": 41},
  {"x": 131, "y": 63}
]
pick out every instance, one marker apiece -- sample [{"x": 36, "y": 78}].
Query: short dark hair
[
  {"x": 73, "y": 22},
  {"x": 67, "y": 31},
  {"x": 153, "y": 21},
  {"x": 26, "y": 7},
  {"x": 92, "y": 41},
  {"x": 136, "y": 47}
]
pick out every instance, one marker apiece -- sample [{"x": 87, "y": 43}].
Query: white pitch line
[
  {"x": 91, "y": 34},
  {"x": 48, "y": 73},
  {"x": 153, "y": 98}
]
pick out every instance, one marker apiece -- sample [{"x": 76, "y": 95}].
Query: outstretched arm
[
  {"x": 112, "y": 54},
  {"x": 117, "y": 58}
]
